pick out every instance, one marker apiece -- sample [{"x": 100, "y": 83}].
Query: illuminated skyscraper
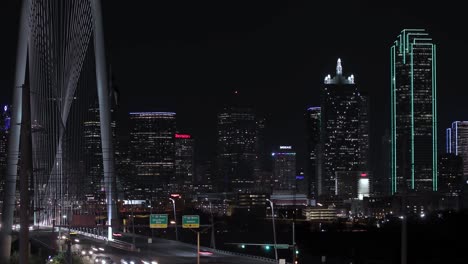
[
  {"x": 413, "y": 112},
  {"x": 457, "y": 143},
  {"x": 313, "y": 177},
  {"x": 152, "y": 152},
  {"x": 340, "y": 117},
  {"x": 4, "y": 128},
  {"x": 284, "y": 169},
  {"x": 450, "y": 174},
  {"x": 184, "y": 162},
  {"x": 94, "y": 180},
  {"x": 237, "y": 149}
]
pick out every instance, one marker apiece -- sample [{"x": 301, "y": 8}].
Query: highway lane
[{"x": 162, "y": 250}]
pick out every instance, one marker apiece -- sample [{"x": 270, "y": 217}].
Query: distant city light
[
  {"x": 363, "y": 174},
  {"x": 313, "y": 108},
  {"x": 184, "y": 136},
  {"x": 285, "y": 147}
]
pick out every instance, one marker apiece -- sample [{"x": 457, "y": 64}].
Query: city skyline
[
  {"x": 265, "y": 29},
  {"x": 260, "y": 122}
]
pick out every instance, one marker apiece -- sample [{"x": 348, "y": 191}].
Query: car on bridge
[
  {"x": 205, "y": 253},
  {"x": 134, "y": 260},
  {"x": 87, "y": 252},
  {"x": 103, "y": 260}
]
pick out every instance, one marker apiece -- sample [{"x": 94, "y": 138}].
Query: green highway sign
[
  {"x": 282, "y": 246},
  {"x": 158, "y": 221},
  {"x": 190, "y": 221}
]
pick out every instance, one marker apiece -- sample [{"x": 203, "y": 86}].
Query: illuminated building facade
[
  {"x": 450, "y": 174},
  {"x": 184, "y": 162},
  {"x": 152, "y": 152},
  {"x": 94, "y": 180},
  {"x": 4, "y": 128},
  {"x": 313, "y": 176},
  {"x": 284, "y": 169},
  {"x": 236, "y": 149},
  {"x": 340, "y": 127},
  {"x": 457, "y": 143},
  {"x": 413, "y": 112}
]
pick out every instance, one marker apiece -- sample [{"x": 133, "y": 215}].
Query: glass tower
[
  {"x": 313, "y": 117},
  {"x": 457, "y": 143},
  {"x": 152, "y": 152},
  {"x": 413, "y": 112},
  {"x": 284, "y": 169},
  {"x": 237, "y": 149},
  {"x": 340, "y": 120}
]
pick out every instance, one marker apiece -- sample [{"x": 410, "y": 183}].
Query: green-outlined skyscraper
[{"x": 413, "y": 112}]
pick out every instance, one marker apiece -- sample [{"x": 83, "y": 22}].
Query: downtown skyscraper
[
  {"x": 313, "y": 124},
  {"x": 284, "y": 169},
  {"x": 457, "y": 143},
  {"x": 413, "y": 110},
  {"x": 93, "y": 183},
  {"x": 4, "y": 129},
  {"x": 152, "y": 153},
  {"x": 184, "y": 162},
  {"x": 236, "y": 149},
  {"x": 340, "y": 131}
]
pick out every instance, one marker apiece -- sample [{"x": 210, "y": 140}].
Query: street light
[
  {"x": 274, "y": 229},
  {"x": 213, "y": 242},
  {"x": 175, "y": 219}
]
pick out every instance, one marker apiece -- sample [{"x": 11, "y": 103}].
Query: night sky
[{"x": 190, "y": 57}]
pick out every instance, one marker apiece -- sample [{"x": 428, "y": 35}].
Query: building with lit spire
[{"x": 340, "y": 134}]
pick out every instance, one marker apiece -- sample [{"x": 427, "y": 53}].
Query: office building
[
  {"x": 4, "y": 128},
  {"x": 340, "y": 129},
  {"x": 152, "y": 153},
  {"x": 284, "y": 169},
  {"x": 450, "y": 174},
  {"x": 236, "y": 149},
  {"x": 457, "y": 143},
  {"x": 313, "y": 175},
  {"x": 93, "y": 182},
  {"x": 413, "y": 111},
  {"x": 184, "y": 162}
]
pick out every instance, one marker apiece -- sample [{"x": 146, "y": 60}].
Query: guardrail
[
  {"x": 265, "y": 259},
  {"x": 114, "y": 243}
]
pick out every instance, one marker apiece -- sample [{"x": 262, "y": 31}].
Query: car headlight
[
  {"x": 154, "y": 262},
  {"x": 83, "y": 252},
  {"x": 132, "y": 262}
]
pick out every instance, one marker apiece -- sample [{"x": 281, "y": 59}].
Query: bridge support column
[
  {"x": 104, "y": 115},
  {"x": 14, "y": 137}
]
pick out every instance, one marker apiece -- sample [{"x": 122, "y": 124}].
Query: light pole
[
  {"x": 274, "y": 229},
  {"x": 213, "y": 241},
  {"x": 175, "y": 219}
]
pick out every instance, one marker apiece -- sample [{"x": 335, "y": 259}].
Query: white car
[{"x": 103, "y": 260}]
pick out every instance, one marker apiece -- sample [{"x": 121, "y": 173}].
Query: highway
[{"x": 161, "y": 250}]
